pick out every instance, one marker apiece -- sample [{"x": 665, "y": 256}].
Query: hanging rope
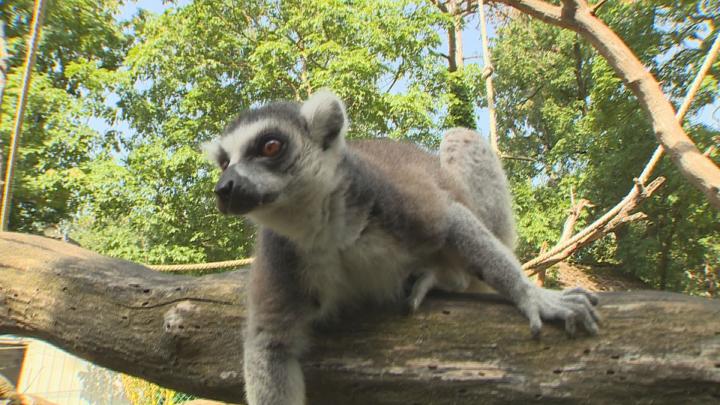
[
  {"x": 35, "y": 28},
  {"x": 487, "y": 75},
  {"x": 230, "y": 264}
]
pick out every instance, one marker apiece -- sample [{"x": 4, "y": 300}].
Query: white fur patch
[
  {"x": 235, "y": 142},
  {"x": 321, "y": 104},
  {"x": 211, "y": 149}
]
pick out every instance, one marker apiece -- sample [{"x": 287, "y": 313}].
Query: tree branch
[
  {"x": 186, "y": 333},
  {"x": 575, "y": 15},
  {"x": 595, "y": 7},
  {"x": 619, "y": 213},
  {"x": 608, "y": 222}
]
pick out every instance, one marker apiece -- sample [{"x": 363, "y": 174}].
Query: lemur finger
[
  {"x": 585, "y": 313},
  {"x": 564, "y": 313},
  {"x": 571, "y": 325},
  {"x": 585, "y": 301},
  {"x": 590, "y": 326},
  {"x": 594, "y": 299},
  {"x": 535, "y": 324},
  {"x": 532, "y": 312}
]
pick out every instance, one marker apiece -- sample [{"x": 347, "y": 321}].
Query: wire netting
[{"x": 59, "y": 377}]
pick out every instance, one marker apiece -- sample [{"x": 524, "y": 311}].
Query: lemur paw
[
  {"x": 574, "y": 306},
  {"x": 413, "y": 304}
]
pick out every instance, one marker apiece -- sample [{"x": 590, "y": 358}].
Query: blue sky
[{"x": 710, "y": 115}]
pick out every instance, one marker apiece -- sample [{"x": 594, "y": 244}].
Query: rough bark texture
[{"x": 185, "y": 333}]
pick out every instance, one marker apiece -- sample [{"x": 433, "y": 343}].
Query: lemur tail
[{"x": 467, "y": 157}]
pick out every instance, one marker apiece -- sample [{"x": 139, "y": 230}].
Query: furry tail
[{"x": 466, "y": 156}]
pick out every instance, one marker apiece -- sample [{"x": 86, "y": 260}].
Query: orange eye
[{"x": 271, "y": 148}]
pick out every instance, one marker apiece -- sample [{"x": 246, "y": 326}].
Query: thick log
[{"x": 185, "y": 333}]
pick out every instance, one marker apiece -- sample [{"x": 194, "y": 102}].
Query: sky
[{"x": 709, "y": 115}]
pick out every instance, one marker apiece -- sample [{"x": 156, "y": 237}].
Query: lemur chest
[{"x": 372, "y": 267}]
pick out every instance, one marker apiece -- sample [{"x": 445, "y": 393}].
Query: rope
[{"x": 229, "y": 264}]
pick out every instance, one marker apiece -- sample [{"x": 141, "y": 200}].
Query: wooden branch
[
  {"x": 685, "y": 106},
  {"x": 595, "y": 7},
  {"x": 523, "y": 158},
  {"x": 4, "y": 69},
  {"x": 567, "y": 232},
  {"x": 573, "y": 215},
  {"x": 576, "y": 15},
  {"x": 616, "y": 216},
  {"x": 185, "y": 333}
]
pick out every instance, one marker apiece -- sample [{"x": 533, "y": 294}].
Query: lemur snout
[
  {"x": 236, "y": 195},
  {"x": 223, "y": 190}
]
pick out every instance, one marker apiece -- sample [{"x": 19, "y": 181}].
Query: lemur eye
[
  {"x": 271, "y": 148},
  {"x": 224, "y": 164}
]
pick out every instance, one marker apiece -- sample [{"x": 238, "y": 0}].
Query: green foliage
[
  {"x": 585, "y": 130},
  {"x": 461, "y": 109},
  {"x": 193, "y": 69},
  {"x": 118, "y": 109},
  {"x": 56, "y": 137}
]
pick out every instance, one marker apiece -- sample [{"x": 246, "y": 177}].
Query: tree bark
[
  {"x": 184, "y": 333},
  {"x": 4, "y": 68},
  {"x": 576, "y": 15}
]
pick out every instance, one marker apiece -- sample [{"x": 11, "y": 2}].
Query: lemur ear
[
  {"x": 326, "y": 118},
  {"x": 213, "y": 150}
]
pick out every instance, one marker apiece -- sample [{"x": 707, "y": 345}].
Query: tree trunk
[
  {"x": 185, "y": 333},
  {"x": 4, "y": 67}
]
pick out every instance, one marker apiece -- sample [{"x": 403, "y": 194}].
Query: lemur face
[{"x": 270, "y": 154}]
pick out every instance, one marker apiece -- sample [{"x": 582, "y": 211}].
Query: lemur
[{"x": 343, "y": 222}]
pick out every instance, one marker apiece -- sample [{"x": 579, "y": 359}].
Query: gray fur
[{"x": 350, "y": 223}]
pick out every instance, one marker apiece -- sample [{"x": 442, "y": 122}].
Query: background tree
[
  {"x": 57, "y": 139},
  {"x": 119, "y": 108},
  {"x": 586, "y": 132},
  {"x": 194, "y": 68}
]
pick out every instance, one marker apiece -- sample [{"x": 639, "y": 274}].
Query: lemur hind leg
[
  {"x": 445, "y": 279},
  {"x": 476, "y": 171}
]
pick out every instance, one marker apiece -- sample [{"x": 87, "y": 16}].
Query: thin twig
[{"x": 594, "y": 8}]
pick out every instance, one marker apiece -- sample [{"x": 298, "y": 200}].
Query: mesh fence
[{"x": 59, "y": 377}]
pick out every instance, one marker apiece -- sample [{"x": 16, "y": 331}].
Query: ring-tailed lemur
[{"x": 341, "y": 223}]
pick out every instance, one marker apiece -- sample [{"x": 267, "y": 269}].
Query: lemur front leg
[
  {"x": 279, "y": 317},
  {"x": 273, "y": 375},
  {"x": 491, "y": 260}
]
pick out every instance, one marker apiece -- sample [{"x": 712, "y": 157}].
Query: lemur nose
[{"x": 224, "y": 189}]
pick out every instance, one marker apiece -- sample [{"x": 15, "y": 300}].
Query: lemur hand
[{"x": 574, "y": 306}]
